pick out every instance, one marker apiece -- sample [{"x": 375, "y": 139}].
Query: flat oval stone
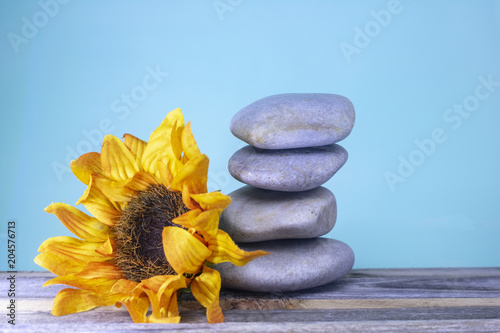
[
  {"x": 256, "y": 215},
  {"x": 292, "y": 265},
  {"x": 294, "y": 121},
  {"x": 288, "y": 170}
]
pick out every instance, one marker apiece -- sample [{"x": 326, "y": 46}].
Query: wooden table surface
[{"x": 366, "y": 300}]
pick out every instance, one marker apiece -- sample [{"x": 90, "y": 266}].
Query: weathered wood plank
[
  {"x": 446, "y": 326},
  {"x": 422, "y": 283},
  {"x": 111, "y": 315},
  {"x": 39, "y": 304},
  {"x": 435, "y": 300}
]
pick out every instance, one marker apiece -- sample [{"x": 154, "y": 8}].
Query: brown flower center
[{"x": 138, "y": 233}]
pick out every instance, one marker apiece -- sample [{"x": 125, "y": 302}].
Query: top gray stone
[{"x": 294, "y": 121}]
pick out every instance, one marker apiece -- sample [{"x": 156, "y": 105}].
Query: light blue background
[{"x": 65, "y": 79}]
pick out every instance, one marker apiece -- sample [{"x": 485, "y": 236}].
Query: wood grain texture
[{"x": 378, "y": 300}]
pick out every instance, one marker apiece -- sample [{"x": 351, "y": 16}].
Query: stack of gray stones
[{"x": 283, "y": 208}]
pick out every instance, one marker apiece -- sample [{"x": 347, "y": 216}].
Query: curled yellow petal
[
  {"x": 212, "y": 200},
  {"x": 71, "y": 300},
  {"x": 72, "y": 249},
  {"x": 99, "y": 205},
  {"x": 189, "y": 145},
  {"x": 171, "y": 284},
  {"x": 117, "y": 161},
  {"x": 137, "y": 308},
  {"x": 224, "y": 249},
  {"x": 184, "y": 252},
  {"x": 86, "y": 165},
  {"x": 59, "y": 265},
  {"x": 82, "y": 225},
  {"x": 206, "y": 288},
  {"x": 162, "y": 292}
]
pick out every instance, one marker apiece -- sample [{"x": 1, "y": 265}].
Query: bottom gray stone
[{"x": 293, "y": 265}]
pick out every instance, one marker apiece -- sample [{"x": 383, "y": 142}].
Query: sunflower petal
[
  {"x": 136, "y": 147},
  {"x": 99, "y": 205},
  {"x": 162, "y": 291},
  {"x": 86, "y": 165},
  {"x": 82, "y": 225},
  {"x": 206, "y": 288},
  {"x": 224, "y": 249},
  {"x": 171, "y": 285},
  {"x": 175, "y": 142},
  {"x": 72, "y": 249},
  {"x": 137, "y": 308},
  {"x": 113, "y": 190},
  {"x": 189, "y": 145},
  {"x": 184, "y": 252},
  {"x": 96, "y": 285},
  {"x": 124, "y": 286},
  {"x": 107, "y": 248},
  {"x": 205, "y": 222},
  {"x": 186, "y": 219},
  {"x": 141, "y": 181},
  {"x": 59, "y": 265},
  {"x": 117, "y": 161},
  {"x": 154, "y": 283},
  {"x": 212, "y": 200},
  {"x": 71, "y": 300},
  {"x": 159, "y": 142},
  {"x": 101, "y": 270},
  {"x": 193, "y": 175},
  {"x": 165, "y": 174}
]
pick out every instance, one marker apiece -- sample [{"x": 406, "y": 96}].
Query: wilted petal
[
  {"x": 137, "y": 308},
  {"x": 224, "y": 249},
  {"x": 206, "y": 288}
]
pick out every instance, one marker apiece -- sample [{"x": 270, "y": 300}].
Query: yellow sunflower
[{"x": 154, "y": 231}]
